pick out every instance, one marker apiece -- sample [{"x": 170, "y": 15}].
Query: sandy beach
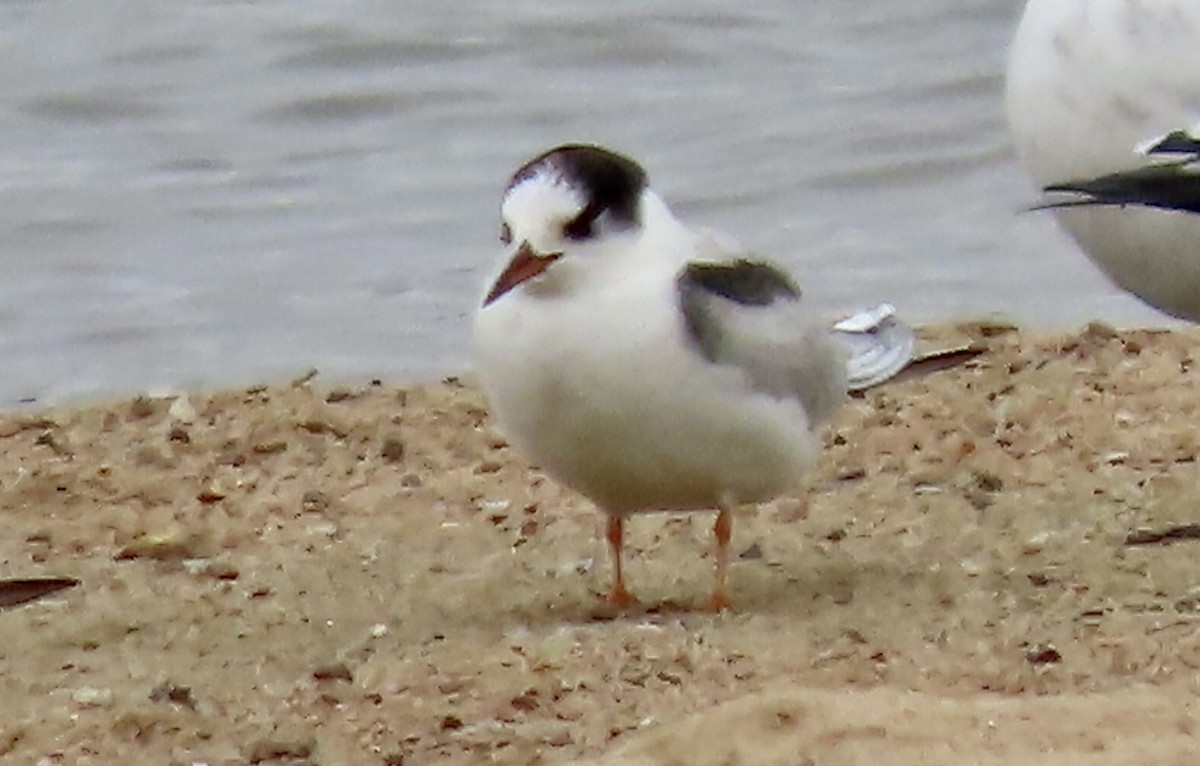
[{"x": 989, "y": 565}]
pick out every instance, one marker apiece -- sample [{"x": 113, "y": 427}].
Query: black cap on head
[{"x": 612, "y": 183}]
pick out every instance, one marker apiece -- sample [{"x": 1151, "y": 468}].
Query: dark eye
[
  {"x": 583, "y": 225},
  {"x": 505, "y": 233}
]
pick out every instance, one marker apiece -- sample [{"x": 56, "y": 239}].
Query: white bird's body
[
  {"x": 1091, "y": 85},
  {"x": 570, "y": 373},
  {"x": 650, "y": 366}
]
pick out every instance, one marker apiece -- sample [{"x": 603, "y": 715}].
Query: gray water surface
[{"x": 202, "y": 192}]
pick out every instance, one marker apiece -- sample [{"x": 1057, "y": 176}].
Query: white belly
[
  {"x": 1154, "y": 254},
  {"x": 605, "y": 395}
]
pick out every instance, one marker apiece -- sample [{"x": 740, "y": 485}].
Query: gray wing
[{"x": 748, "y": 314}]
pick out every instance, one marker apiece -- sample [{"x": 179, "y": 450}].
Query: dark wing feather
[
  {"x": 747, "y": 314},
  {"x": 1174, "y": 186},
  {"x": 1175, "y": 142},
  {"x": 1165, "y": 185},
  {"x": 744, "y": 282}
]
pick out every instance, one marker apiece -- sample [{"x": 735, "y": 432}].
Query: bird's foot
[
  {"x": 719, "y": 602},
  {"x": 621, "y": 598}
]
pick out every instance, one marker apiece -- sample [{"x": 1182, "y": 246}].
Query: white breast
[{"x": 601, "y": 389}]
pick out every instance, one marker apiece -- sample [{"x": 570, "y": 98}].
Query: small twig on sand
[{"x": 13, "y": 592}]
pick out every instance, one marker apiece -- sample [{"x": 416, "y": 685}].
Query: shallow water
[{"x": 202, "y": 192}]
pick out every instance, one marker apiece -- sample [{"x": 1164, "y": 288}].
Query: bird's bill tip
[{"x": 524, "y": 265}]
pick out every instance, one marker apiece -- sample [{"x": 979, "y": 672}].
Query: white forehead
[{"x": 541, "y": 200}]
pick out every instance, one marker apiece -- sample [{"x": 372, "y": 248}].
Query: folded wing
[{"x": 1170, "y": 182}]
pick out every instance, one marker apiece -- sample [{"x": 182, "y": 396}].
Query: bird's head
[{"x": 562, "y": 203}]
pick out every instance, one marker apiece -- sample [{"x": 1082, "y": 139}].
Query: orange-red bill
[{"x": 525, "y": 265}]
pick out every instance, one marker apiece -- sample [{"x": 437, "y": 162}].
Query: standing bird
[
  {"x": 650, "y": 366},
  {"x": 1103, "y": 100}
]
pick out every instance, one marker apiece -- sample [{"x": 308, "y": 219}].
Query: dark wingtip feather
[{"x": 1167, "y": 186}]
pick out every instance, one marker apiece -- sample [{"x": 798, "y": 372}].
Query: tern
[
  {"x": 1103, "y": 102},
  {"x": 653, "y": 367}
]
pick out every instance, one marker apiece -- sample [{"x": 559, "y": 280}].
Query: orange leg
[
  {"x": 618, "y": 596},
  {"x": 723, "y": 530}
]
